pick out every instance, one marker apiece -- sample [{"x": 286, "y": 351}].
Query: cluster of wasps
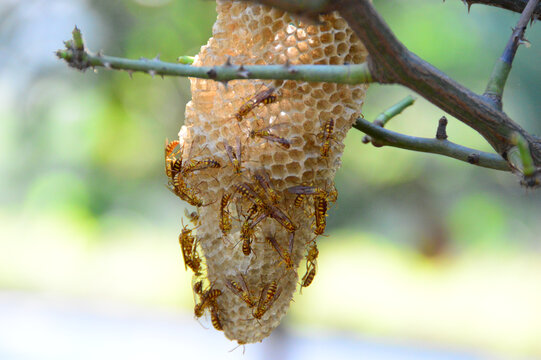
[{"x": 255, "y": 200}]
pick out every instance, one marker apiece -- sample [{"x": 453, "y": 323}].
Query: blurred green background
[{"x": 423, "y": 251}]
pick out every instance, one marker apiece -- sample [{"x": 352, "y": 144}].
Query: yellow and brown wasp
[
  {"x": 241, "y": 291},
  {"x": 269, "y": 294},
  {"x": 265, "y": 133},
  {"x": 263, "y": 97}
]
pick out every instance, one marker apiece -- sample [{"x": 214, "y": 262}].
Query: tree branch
[
  {"x": 382, "y": 136},
  {"x": 512, "y": 5},
  {"x": 390, "y": 62},
  {"x": 498, "y": 78},
  {"x": 78, "y": 57}
]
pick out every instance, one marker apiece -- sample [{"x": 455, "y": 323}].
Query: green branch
[
  {"x": 520, "y": 155},
  {"x": 502, "y": 68},
  {"x": 79, "y": 58},
  {"x": 394, "y": 110},
  {"x": 383, "y": 137}
]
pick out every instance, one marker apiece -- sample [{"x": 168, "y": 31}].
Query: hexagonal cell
[
  {"x": 329, "y": 51},
  {"x": 339, "y": 36}
]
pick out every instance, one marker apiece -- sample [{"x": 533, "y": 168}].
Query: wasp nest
[{"x": 258, "y": 161}]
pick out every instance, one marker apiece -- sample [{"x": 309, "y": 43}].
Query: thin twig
[
  {"x": 80, "y": 58},
  {"x": 383, "y": 118},
  {"x": 383, "y": 136},
  {"x": 500, "y": 73}
]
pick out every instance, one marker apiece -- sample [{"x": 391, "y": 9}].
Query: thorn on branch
[
  {"x": 212, "y": 74},
  {"x": 468, "y": 4},
  {"x": 290, "y": 68},
  {"x": 473, "y": 158},
  {"x": 242, "y": 72},
  {"x": 224, "y": 83},
  {"x": 441, "y": 132},
  {"x": 228, "y": 62}
]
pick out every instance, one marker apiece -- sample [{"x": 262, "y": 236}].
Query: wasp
[
  {"x": 274, "y": 212},
  {"x": 300, "y": 191},
  {"x": 315, "y": 191},
  {"x": 170, "y": 147},
  {"x": 246, "y": 191},
  {"x": 189, "y": 253},
  {"x": 235, "y": 158},
  {"x": 196, "y": 263},
  {"x": 186, "y": 241},
  {"x": 283, "y": 219},
  {"x": 198, "y": 288},
  {"x": 299, "y": 199},
  {"x": 179, "y": 188},
  {"x": 253, "y": 211},
  {"x": 207, "y": 299},
  {"x": 326, "y": 134},
  {"x": 172, "y": 164},
  {"x": 242, "y": 292},
  {"x": 308, "y": 277},
  {"x": 263, "y": 97},
  {"x": 271, "y": 291},
  {"x": 264, "y": 133},
  {"x": 225, "y": 217},
  {"x": 321, "y": 197},
  {"x": 268, "y": 296},
  {"x": 264, "y": 182},
  {"x": 311, "y": 266},
  {"x": 215, "y": 319},
  {"x": 320, "y": 205},
  {"x": 286, "y": 256},
  {"x": 247, "y": 234},
  {"x": 312, "y": 255},
  {"x": 195, "y": 165}
]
